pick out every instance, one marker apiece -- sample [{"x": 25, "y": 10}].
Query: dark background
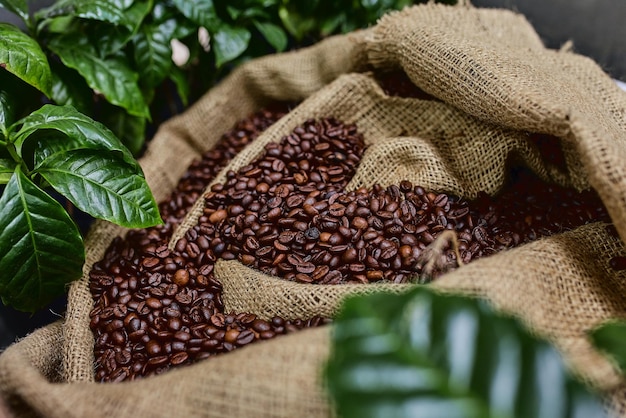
[{"x": 596, "y": 28}]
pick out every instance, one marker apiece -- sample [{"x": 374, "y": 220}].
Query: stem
[{"x": 13, "y": 152}]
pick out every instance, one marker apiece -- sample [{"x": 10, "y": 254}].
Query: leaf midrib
[
  {"x": 30, "y": 227},
  {"x": 101, "y": 186}
]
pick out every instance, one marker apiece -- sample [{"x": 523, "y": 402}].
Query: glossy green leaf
[
  {"x": 331, "y": 24},
  {"x": 610, "y": 338},
  {"x": 69, "y": 88},
  {"x": 21, "y": 55},
  {"x": 153, "y": 52},
  {"x": 274, "y": 34},
  {"x": 179, "y": 78},
  {"x": 7, "y": 113},
  {"x": 131, "y": 130},
  {"x": 229, "y": 42},
  {"x": 137, "y": 12},
  {"x": 41, "y": 249},
  {"x": 108, "y": 39},
  {"x": 202, "y": 12},
  {"x": 84, "y": 131},
  {"x": 103, "y": 186},
  {"x": 7, "y": 165},
  {"x": 233, "y": 12},
  {"x": 122, "y": 4},
  {"x": 111, "y": 39},
  {"x": 45, "y": 142},
  {"x": 19, "y": 7},
  {"x": 297, "y": 24},
  {"x": 112, "y": 77},
  {"x": 256, "y": 11},
  {"x": 289, "y": 22},
  {"x": 163, "y": 11},
  {"x": 434, "y": 355},
  {"x": 99, "y": 10}
]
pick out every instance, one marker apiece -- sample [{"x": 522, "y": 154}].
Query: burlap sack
[{"x": 496, "y": 82}]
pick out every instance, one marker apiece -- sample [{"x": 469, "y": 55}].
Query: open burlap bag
[{"x": 496, "y": 82}]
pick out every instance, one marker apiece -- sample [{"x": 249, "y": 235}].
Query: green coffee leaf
[
  {"x": 433, "y": 355},
  {"x": 122, "y": 4},
  {"x": 99, "y": 10},
  {"x": 201, "y": 12},
  {"x": 19, "y": 7},
  {"x": 7, "y": 113},
  {"x": 112, "y": 77},
  {"x": 21, "y": 55},
  {"x": 137, "y": 12},
  {"x": 103, "y": 186},
  {"x": 153, "y": 53},
  {"x": 131, "y": 130},
  {"x": 274, "y": 34},
  {"x": 229, "y": 42},
  {"x": 184, "y": 28},
  {"x": 69, "y": 88},
  {"x": 610, "y": 338},
  {"x": 109, "y": 39},
  {"x": 296, "y": 24},
  {"x": 330, "y": 25},
  {"x": 45, "y": 142},
  {"x": 233, "y": 12},
  {"x": 81, "y": 129},
  {"x": 7, "y": 165},
  {"x": 41, "y": 249},
  {"x": 179, "y": 78},
  {"x": 258, "y": 11}
]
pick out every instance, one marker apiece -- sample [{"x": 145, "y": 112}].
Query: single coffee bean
[{"x": 181, "y": 277}]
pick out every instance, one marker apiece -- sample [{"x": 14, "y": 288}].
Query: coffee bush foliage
[{"x": 112, "y": 59}]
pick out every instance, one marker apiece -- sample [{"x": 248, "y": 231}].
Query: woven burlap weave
[{"x": 495, "y": 83}]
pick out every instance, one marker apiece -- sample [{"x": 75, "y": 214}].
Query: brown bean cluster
[
  {"x": 529, "y": 209},
  {"x": 154, "y": 308},
  {"x": 288, "y": 215}
]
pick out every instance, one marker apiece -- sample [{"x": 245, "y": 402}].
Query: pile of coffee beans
[
  {"x": 202, "y": 171},
  {"x": 151, "y": 312},
  {"x": 288, "y": 214}
]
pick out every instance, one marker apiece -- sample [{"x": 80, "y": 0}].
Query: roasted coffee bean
[
  {"x": 245, "y": 337},
  {"x": 181, "y": 277},
  {"x": 179, "y": 358}
]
